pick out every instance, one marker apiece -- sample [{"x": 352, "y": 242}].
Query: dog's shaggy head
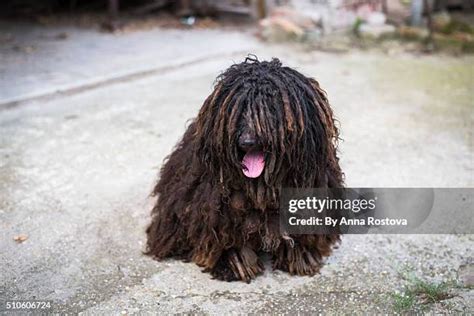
[{"x": 264, "y": 127}]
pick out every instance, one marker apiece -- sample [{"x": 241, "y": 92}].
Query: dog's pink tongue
[{"x": 253, "y": 164}]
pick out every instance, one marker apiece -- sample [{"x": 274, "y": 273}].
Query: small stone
[
  {"x": 376, "y": 19},
  {"x": 287, "y": 24},
  {"x": 376, "y": 30},
  {"x": 20, "y": 238}
]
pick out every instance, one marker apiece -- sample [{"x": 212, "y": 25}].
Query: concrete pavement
[
  {"x": 46, "y": 60},
  {"x": 76, "y": 171}
]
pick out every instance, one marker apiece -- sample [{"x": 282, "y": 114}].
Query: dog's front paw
[
  {"x": 223, "y": 271},
  {"x": 235, "y": 265},
  {"x": 296, "y": 260}
]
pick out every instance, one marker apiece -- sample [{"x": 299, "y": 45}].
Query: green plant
[
  {"x": 419, "y": 294},
  {"x": 403, "y": 302},
  {"x": 430, "y": 292},
  {"x": 356, "y": 26},
  {"x": 457, "y": 26}
]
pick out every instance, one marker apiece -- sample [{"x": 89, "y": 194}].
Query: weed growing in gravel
[{"x": 419, "y": 294}]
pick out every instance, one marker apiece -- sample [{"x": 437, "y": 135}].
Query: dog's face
[
  {"x": 271, "y": 129},
  {"x": 268, "y": 125}
]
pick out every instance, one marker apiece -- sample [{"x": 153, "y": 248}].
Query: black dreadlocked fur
[{"x": 207, "y": 211}]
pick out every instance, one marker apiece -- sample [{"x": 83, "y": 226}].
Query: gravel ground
[{"x": 76, "y": 171}]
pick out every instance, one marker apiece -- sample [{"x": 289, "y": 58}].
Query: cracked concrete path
[{"x": 76, "y": 171}]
